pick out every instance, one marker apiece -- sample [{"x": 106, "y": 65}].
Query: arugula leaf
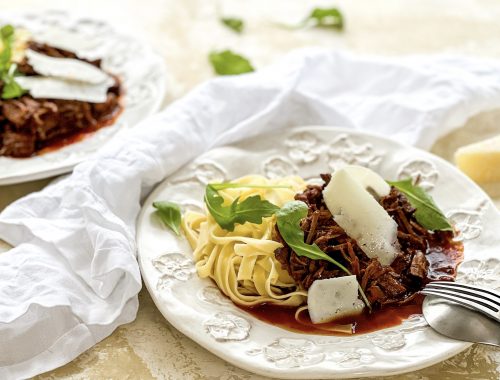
[
  {"x": 11, "y": 89},
  {"x": 427, "y": 212},
  {"x": 288, "y": 221},
  {"x": 228, "y": 63},
  {"x": 325, "y": 18},
  {"x": 170, "y": 214},
  {"x": 7, "y": 31},
  {"x": 252, "y": 209},
  {"x": 7, "y": 38},
  {"x": 236, "y": 24}
]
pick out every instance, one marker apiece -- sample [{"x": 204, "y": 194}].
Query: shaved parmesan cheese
[
  {"x": 369, "y": 179},
  {"x": 55, "y": 88},
  {"x": 67, "y": 68},
  {"x": 333, "y": 298},
  {"x": 65, "y": 78},
  {"x": 78, "y": 43},
  {"x": 361, "y": 216}
]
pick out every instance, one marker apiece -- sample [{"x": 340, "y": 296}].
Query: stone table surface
[{"x": 184, "y": 32}]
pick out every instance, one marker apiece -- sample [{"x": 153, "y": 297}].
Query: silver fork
[{"x": 486, "y": 301}]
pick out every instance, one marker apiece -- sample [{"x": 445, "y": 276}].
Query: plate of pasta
[
  {"x": 301, "y": 254},
  {"x": 71, "y": 84}
]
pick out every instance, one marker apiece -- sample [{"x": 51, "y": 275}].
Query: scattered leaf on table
[
  {"x": 228, "y": 63},
  {"x": 236, "y": 24},
  {"x": 325, "y": 18}
]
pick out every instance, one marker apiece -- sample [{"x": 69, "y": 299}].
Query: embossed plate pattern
[
  {"x": 197, "y": 308},
  {"x": 140, "y": 69}
]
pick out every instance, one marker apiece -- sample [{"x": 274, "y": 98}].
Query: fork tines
[{"x": 486, "y": 301}]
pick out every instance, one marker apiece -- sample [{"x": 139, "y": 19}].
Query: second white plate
[{"x": 143, "y": 77}]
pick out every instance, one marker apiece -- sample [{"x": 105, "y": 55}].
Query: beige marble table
[{"x": 184, "y": 32}]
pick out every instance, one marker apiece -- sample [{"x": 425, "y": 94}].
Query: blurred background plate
[{"x": 143, "y": 77}]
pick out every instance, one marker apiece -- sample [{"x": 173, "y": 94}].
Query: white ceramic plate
[
  {"x": 197, "y": 308},
  {"x": 143, "y": 77}
]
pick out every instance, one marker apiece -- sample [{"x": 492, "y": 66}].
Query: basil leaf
[
  {"x": 170, "y": 214},
  {"x": 427, "y": 213},
  {"x": 228, "y": 63},
  {"x": 252, "y": 209},
  {"x": 325, "y": 18},
  {"x": 288, "y": 220},
  {"x": 236, "y": 24}
]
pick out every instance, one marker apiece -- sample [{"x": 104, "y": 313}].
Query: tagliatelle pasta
[{"x": 242, "y": 262}]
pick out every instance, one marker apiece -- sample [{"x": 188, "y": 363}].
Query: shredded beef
[
  {"x": 17, "y": 144},
  {"x": 419, "y": 265},
  {"x": 28, "y": 125},
  {"x": 383, "y": 285}
]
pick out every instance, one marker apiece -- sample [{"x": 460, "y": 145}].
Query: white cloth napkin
[{"x": 72, "y": 277}]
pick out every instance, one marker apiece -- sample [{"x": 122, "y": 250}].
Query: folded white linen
[{"x": 72, "y": 277}]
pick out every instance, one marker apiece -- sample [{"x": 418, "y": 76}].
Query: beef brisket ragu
[
  {"x": 28, "y": 125},
  {"x": 383, "y": 285}
]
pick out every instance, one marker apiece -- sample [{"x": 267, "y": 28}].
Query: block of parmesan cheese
[
  {"x": 480, "y": 161},
  {"x": 333, "y": 298}
]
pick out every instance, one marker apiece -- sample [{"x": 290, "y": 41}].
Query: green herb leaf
[
  {"x": 236, "y": 24},
  {"x": 7, "y": 38},
  {"x": 252, "y": 209},
  {"x": 288, "y": 221},
  {"x": 228, "y": 63},
  {"x": 10, "y": 88},
  {"x": 427, "y": 212},
  {"x": 170, "y": 214},
  {"x": 325, "y": 18},
  {"x": 7, "y": 31}
]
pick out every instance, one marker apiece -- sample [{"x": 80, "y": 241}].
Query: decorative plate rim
[{"x": 452, "y": 347}]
